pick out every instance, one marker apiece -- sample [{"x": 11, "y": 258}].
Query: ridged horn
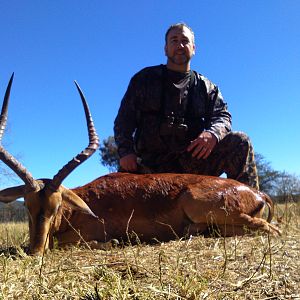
[
  {"x": 86, "y": 153},
  {"x": 6, "y": 157},
  {"x": 3, "y": 117}
]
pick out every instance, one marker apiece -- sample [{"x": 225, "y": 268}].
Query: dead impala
[{"x": 150, "y": 206}]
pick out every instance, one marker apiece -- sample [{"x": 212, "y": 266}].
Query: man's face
[{"x": 180, "y": 46}]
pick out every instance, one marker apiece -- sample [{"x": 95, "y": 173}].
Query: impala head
[{"x": 44, "y": 197}]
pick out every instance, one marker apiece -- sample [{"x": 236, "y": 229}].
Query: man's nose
[{"x": 180, "y": 45}]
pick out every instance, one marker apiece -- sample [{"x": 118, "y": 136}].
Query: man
[{"x": 173, "y": 119}]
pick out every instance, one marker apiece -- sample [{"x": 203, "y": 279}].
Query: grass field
[{"x": 248, "y": 267}]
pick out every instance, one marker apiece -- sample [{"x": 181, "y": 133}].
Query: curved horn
[
  {"x": 3, "y": 117},
  {"x": 86, "y": 153},
  {"x": 7, "y": 158}
]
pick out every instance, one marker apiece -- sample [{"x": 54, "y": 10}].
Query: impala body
[
  {"x": 122, "y": 205},
  {"x": 164, "y": 207}
]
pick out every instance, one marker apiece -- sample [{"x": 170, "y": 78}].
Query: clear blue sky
[{"x": 251, "y": 49}]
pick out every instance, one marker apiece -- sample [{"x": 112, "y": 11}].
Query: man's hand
[
  {"x": 129, "y": 162},
  {"x": 202, "y": 146}
]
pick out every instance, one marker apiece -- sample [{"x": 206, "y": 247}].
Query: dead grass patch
[{"x": 248, "y": 267}]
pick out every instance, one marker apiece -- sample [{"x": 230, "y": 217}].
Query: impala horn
[
  {"x": 3, "y": 117},
  {"x": 6, "y": 157},
  {"x": 86, "y": 153}
]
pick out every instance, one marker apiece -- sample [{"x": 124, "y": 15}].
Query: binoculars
[{"x": 173, "y": 125}]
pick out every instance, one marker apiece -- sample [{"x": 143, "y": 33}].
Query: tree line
[{"x": 13, "y": 212}]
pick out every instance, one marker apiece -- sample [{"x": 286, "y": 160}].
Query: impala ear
[
  {"x": 76, "y": 202},
  {"x": 11, "y": 194}
]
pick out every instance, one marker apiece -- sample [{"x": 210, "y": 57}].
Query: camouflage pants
[{"x": 233, "y": 155}]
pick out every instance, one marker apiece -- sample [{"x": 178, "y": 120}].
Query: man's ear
[
  {"x": 11, "y": 194},
  {"x": 165, "y": 48},
  {"x": 76, "y": 202}
]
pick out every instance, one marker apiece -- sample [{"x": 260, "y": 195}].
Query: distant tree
[
  {"x": 287, "y": 187},
  {"x": 267, "y": 176},
  {"x": 109, "y": 154},
  {"x": 13, "y": 212},
  {"x": 7, "y": 176}
]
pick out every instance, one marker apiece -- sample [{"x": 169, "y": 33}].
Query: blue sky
[{"x": 251, "y": 49}]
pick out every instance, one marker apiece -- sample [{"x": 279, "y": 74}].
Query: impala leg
[
  {"x": 240, "y": 226},
  {"x": 245, "y": 223},
  {"x": 259, "y": 224}
]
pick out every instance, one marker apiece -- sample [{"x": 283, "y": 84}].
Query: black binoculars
[{"x": 172, "y": 125}]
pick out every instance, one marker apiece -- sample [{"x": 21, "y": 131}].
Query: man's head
[{"x": 179, "y": 47}]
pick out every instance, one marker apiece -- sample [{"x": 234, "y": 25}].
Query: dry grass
[{"x": 249, "y": 267}]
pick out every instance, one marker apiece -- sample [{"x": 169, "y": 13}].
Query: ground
[{"x": 256, "y": 266}]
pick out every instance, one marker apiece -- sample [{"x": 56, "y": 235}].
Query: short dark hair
[{"x": 179, "y": 25}]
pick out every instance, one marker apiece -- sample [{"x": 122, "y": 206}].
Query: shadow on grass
[{"x": 14, "y": 252}]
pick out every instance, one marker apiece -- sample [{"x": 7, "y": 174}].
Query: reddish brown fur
[{"x": 162, "y": 206}]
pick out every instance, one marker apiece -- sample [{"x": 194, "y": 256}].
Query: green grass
[{"x": 248, "y": 267}]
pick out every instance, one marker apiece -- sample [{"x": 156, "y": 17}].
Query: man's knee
[
  {"x": 237, "y": 137},
  {"x": 233, "y": 143}
]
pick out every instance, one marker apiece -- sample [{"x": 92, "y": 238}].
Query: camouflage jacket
[{"x": 138, "y": 122}]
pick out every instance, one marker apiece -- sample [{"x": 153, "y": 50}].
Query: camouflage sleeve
[
  {"x": 219, "y": 118},
  {"x": 125, "y": 122}
]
